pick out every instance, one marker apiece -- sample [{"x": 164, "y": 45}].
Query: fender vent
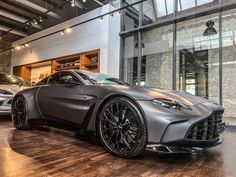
[{"x": 207, "y": 129}]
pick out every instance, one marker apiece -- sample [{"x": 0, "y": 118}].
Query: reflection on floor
[{"x": 53, "y": 152}]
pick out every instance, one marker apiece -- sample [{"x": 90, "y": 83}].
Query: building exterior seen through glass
[{"x": 195, "y": 54}]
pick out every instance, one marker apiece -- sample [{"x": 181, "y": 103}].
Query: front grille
[
  {"x": 207, "y": 129},
  {"x": 9, "y": 102}
]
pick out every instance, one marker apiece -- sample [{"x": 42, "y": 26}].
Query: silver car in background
[{"x": 9, "y": 86}]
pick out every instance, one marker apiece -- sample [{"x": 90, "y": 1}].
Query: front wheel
[
  {"x": 122, "y": 128},
  {"x": 20, "y": 114}
]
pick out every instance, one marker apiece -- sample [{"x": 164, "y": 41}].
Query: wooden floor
[{"x": 52, "y": 152}]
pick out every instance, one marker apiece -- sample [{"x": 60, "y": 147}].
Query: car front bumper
[
  {"x": 5, "y": 105},
  {"x": 178, "y": 148},
  {"x": 182, "y": 129}
]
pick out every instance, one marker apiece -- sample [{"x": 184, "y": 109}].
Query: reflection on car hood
[
  {"x": 13, "y": 88},
  {"x": 149, "y": 93}
]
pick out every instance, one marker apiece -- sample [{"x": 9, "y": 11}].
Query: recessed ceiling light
[
  {"x": 62, "y": 32},
  {"x": 18, "y": 47},
  {"x": 118, "y": 13},
  {"x": 68, "y": 30},
  {"x": 40, "y": 19},
  {"x": 35, "y": 22},
  {"x": 73, "y": 3}
]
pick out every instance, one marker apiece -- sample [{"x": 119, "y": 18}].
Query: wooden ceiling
[{"x": 21, "y": 18}]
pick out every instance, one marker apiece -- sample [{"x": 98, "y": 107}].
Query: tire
[
  {"x": 122, "y": 128},
  {"x": 20, "y": 114}
]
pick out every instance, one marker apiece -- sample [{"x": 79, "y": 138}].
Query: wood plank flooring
[{"x": 53, "y": 152}]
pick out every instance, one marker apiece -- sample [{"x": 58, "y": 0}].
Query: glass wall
[
  {"x": 198, "y": 57},
  {"x": 229, "y": 62},
  {"x": 191, "y": 6},
  {"x": 130, "y": 60},
  {"x": 186, "y": 50},
  {"x": 157, "y": 57},
  {"x": 131, "y": 17}
]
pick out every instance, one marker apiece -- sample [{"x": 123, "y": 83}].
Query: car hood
[
  {"x": 13, "y": 88},
  {"x": 149, "y": 93}
]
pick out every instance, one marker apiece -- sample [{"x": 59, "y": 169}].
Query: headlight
[
  {"x": 5, "y": 92},
  {"x": 171, "y": 104}
]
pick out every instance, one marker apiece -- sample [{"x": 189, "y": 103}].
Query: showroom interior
[{"x": 180, "y": 45}]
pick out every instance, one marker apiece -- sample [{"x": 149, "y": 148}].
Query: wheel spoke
[
  {"x": 109, "y": 121},
  {"x": 131, "y": 139},
  {"x": 117, "y": 140},
  {"x": 123, "y": 114},
  {"x": 133, "y": 129},
  {"x": 108, "y": 129},
  {"x": 112, "y": 134},
  {"x": 125, "y": 141}
]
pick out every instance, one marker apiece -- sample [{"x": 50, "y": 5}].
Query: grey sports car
[{"x": 127, "y": 119}]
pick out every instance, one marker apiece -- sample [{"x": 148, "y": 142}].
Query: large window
[
  {"x": 229, "y": 62},
  {"x": 198, "y": 57},
  {"x": 205, "y": 64},
  {"x": 157, "y": 45},
  {"x": 189, "y": 6},
  {"x": 130, "y": 60}
]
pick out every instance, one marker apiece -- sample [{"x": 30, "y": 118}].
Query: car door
[{"x": 60, "y": 100}]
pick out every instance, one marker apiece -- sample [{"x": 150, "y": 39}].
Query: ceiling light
[
  {"x": 35, "y": 22},
  {"x": 68, "y": 30},
  {"x": 210, "y": 30},
  {"x": 111, "y": 15},
  {"x": 101, "y": 19},
  {"x": 40, "y": 19},
  {"x": 84, "y": 0},
  {"x": 118, "y": 13},
  {"x": 62, "y": 32},
  {"x": 18, "y": 48},
  {"x": 73, "y": 3},
  {"x": 26, "y": 45}
]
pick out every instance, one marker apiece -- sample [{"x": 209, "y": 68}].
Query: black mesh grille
[
  {"x": 207, "y": 129},
  {"x": 9, "y": 102}
]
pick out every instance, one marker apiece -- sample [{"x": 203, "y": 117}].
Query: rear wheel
[
  {"x": 122, "y": 128},
  {"x": 20, "y": 114}
]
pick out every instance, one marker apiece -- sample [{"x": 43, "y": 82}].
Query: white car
[{"x": 9, "y": 86}]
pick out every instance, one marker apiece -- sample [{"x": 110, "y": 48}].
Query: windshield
[
  {"x": 99, "y": 79},
  {"x": 6, "y": 79}
]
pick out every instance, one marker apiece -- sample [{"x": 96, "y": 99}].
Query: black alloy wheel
[
  {"x": 122, "y": 128},
  {"x": 20, "y": 114}
]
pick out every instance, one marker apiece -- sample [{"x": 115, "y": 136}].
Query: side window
[
  {"x": 66, "y": 78},
  {"x": 42, "y": 82},
  {"x": 53, "y": 79}
]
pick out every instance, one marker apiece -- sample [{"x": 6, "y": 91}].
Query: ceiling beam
[
  {"x": 10, "y": 4},
  {"x": 19, "y": 33},
  {"x": 17, "y": 18},
  {"x": 39, "y": 8},
  {"x": 12, "y": 16}
]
